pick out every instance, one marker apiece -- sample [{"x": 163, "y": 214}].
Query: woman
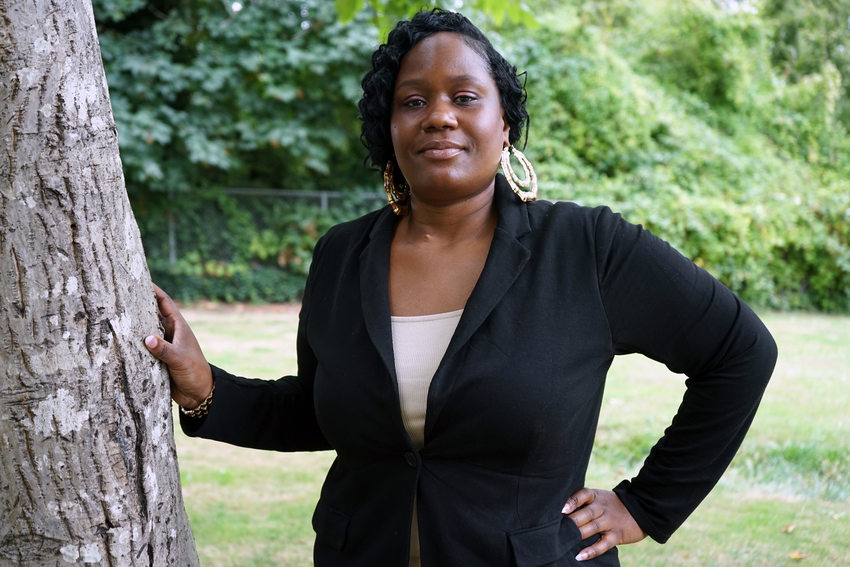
[{"x": 453, "y": 346}]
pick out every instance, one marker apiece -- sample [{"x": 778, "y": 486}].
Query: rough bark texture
[{"x": 88, "y": 469}]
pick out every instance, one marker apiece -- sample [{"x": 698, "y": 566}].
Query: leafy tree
[
  {"x": 809, "y": 37},
  {"x": 209, "y": 95},
  {"x": 811, "y": 55},
  {"x": 719, "y": 158},
  {"x": 206, "y": 96},
  {"x": 387, "y": 12},
  {"x": 685, "y": 115}
]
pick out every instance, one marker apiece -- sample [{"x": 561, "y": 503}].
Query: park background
[{"x": 720, "y": 125}]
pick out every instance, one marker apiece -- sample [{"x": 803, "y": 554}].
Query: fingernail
[
  {"x": 581, "y": 556},
  {"x": 567, "y": 508},
  {"x": 150, "y": 341}
]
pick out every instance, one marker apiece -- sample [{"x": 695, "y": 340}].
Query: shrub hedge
[{"x": 670, "y": 112}]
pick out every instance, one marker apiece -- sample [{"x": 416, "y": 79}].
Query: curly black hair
[{"x": 378, "y": 83}]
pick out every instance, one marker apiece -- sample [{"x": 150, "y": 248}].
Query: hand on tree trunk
[{"x": 191, "y": 377}]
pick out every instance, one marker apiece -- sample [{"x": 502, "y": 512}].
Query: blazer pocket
[
  {"x": 545, "y": 544},
  {"x": 331, "y": 526}
]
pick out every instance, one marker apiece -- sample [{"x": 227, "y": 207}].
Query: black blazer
[{"x": 513, "y": 407}]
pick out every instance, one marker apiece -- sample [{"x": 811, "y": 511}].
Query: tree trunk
[{"x": 88, "y": 469}]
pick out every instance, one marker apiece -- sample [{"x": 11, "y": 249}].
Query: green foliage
[
  {"x": 207, "y": 97},
  {"x": 680, "y": 125},
  {"x": 222, "y": 282},
  {"x": 710, "y": 53},
  {"x": 231, "y": 248},
  {"x": 265, "y": 96},
  {"x": 385, "y": 13},
  {"x": 117, "y": 10},
  {"x": 723, "y": 130},
  {"x": 807, "y": 125},
  {"x": 808, "y": 36}
]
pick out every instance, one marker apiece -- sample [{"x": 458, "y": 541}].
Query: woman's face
[{"x": 447, "y": 123}]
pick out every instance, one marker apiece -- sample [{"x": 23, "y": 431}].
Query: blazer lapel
[
  {"x": 505, "y": 261},
  {"x": 374, "y": 289}
]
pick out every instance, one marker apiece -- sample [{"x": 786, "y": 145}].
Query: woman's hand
[
  {"x": 601, "y": 512},
  {"x": 191, "y": 377}
]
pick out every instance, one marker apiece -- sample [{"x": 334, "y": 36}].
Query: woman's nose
[{"x": 441, "y": 114}]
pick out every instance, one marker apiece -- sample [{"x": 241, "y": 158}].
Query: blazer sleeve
[
  {"x": 267, "y": 414},
  {"x": 662, "y": 305}
]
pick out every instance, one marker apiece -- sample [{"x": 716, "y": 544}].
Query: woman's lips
[
  {"x": 441, "y": 150},
  {"x": 441, "y": 153}
]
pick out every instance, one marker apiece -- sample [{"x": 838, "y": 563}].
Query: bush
[
  {"x": 261, "y": 284},
  {"x": 235, "y": 248},
  {"x": 643, "y": 125},
  {"x": 690, "y": 117}
]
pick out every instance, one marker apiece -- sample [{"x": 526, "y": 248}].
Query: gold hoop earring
[
  {"x": 514, "y": 181},
  {"x": 397, "y": 197}
]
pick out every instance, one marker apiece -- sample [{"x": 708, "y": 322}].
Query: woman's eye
[
  {"x": 464, "y": 99},
  {"x": 414, "y": 102}
]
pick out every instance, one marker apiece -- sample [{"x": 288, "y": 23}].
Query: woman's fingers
[
  {"x": 166, "y": 305},
  {"x": 177, "y": 331},
  {"x": 601, "y": 512},
  {"x": 191, "y": 377},
  {"x": 603, "y": 544},
  {"x": 160, "y": 348},
  {"x": 588, "y": 514},
  {"x": 581, "y": 498},
  {"x": 169, "y": 314}
]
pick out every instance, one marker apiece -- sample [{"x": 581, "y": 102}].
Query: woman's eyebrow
[{"x": 420, "y": 81}]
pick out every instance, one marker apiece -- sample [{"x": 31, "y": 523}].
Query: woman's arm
[
  {"x": 261, "y": 414},
  {"x": 660, "y": 304}
]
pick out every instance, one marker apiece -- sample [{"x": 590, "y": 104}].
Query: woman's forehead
[{"x": 445, "y": 52}]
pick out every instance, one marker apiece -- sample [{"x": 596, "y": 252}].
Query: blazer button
[{"x": 410, "y": 459}]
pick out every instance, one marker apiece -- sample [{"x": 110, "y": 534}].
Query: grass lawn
[{"x": 784, "y": 501}]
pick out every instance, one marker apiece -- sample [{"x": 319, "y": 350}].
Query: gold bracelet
[{"x": 202, "y": 409}]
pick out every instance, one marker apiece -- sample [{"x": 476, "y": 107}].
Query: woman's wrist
[{"x": 201, "y": 408}]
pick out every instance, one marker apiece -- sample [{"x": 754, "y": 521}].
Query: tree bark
[{"x": 88, "y": 468}]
